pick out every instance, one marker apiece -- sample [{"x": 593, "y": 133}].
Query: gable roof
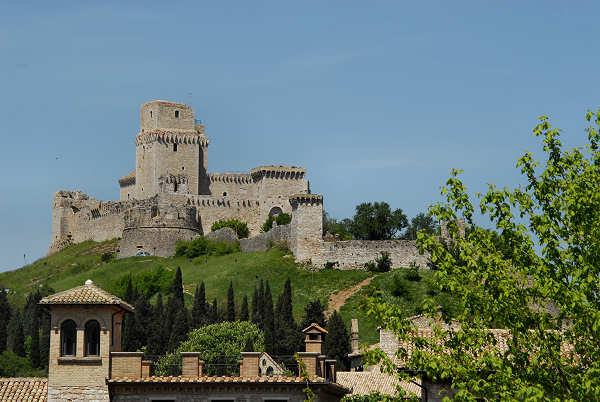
[
  {"x": 315, "y": 326},
  {"x": 86, "y": 294},
  {"x": 24, "y": 389},
  {"x": 366, "y": 382}
]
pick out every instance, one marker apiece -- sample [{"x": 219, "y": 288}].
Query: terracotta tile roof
[
  {"x": 211, "y": 379},
  {"x": 366, "y": 382},
  {"x": 24, "y": 389},
  {"x": 316, "y": 326},
  {"x": 86, "y": 294}
]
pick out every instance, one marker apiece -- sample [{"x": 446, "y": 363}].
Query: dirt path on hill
[{"x": 337, "y": 300}]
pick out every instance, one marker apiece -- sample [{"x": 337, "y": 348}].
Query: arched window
[
  {"x": 92, "y": 338},
  {"x": 68, "y": 338}
]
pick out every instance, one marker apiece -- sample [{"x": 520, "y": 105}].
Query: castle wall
[
  {"x": 353, "y": 254},
  {"x": 159, "y": 241},
  {"x": 278, "y": 234},
  {"x": 232, "y": 185},
  {"x": 127, "y": 191},
  {"x": 212, "y": 209}
]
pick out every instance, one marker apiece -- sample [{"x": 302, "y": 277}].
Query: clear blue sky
[{"x": 378, "y": 100}]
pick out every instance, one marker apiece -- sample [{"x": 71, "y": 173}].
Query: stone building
[
  {"x": 171, "y": 167},
  {"x": 86, "y": 364}
]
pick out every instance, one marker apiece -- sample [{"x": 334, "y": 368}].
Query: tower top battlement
[{"x": 166, "y": 115}]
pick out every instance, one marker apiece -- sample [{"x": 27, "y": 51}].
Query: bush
[
  {"x": 412, "y": 274},
  {"x": 330, "y": 264},
  {"x": 281, "y": 219},
  {"x": 381, "y": 264},
  {"x": 203, "y": 246},
  {"x": 106, "y": 257},
  {"x": 12, "y": 365},
  {"x": 279, "y": 245},
  {"x": 400, "y": 287},
  {"x": 241, "y": 228},
  {"x": 148, "y": 282},
  {"x": 218, "y": 344}
]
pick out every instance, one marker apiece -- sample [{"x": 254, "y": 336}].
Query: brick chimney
[
  {"x": 190, "y": 365},
  {"x": 354, "y": 335},
  {"x": 249, "y": 364}
]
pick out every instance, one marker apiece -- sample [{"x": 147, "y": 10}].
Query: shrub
[
  {"x": 106, "y": 257},
  {"x": 330, "y": 264},
  {"x": 203, "y": 246},
  {"x": 381, "y": 264},
  {"x": 281, "y": 219},
  {"x": 241, "y": 228},
  {"x": 412, "y": 274},
  {"x": 220, "y": 346},
  {"x": 12, "y": 365},
  {"x": 400, "y": 287},
  {"x": 148, "y": 282},
  {"x": 280, "y": 245}
]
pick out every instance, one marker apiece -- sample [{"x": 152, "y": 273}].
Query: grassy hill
[{"x": 74, "y": 265}]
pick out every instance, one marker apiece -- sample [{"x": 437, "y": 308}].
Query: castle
[{"x": 170, "y": 196}]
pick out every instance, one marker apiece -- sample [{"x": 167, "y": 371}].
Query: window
[
  {"x": 92, "y": 338},
  {"x": 68, "y": 338},
  {"x": 174, "y": 147},
  {"x": 175, "y": 187},
  {"x": 151, "y": 113},
  {"x": 224, "y": 193},
  {"x": 177, "y": 114}
]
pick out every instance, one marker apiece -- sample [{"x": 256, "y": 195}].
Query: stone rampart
[
  {"x": 225, "y": 235},
  {"x": 278, "y": 234},
  {"x": 353, "y": 254}
]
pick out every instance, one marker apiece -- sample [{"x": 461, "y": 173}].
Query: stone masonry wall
[
  {"x": 353, "y": 254},
  {"x": 278, "y": 234}
]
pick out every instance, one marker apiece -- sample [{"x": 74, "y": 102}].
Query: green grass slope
[
  {"x": 396, "y": 290},
  {"x": 74, "y": 265}
]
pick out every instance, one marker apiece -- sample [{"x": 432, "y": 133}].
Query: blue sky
[{"x": 378, "y": 100}]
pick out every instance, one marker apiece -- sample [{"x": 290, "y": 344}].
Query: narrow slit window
[
  {"x": 175, "y": 147},
  {"x": 176, "y": 187},
  {"x": 177, "y": 114}
]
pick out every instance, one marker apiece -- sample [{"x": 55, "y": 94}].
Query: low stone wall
[
  {"x": 83, "y": 393},
  {"x": 277, "y": 234},
  {"x": 226, "y": 235},
  {"x": 353, "y": 254},
  {"x": 159, "y": 241}
]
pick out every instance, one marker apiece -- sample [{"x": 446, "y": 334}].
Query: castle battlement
[
  {"x": 277, "y": 172},
  {"x": 237, "y": 178},
  {"x": 306, "y": 199}
]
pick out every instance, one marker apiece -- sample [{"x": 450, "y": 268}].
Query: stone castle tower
[{"x": 170, "y": 195}]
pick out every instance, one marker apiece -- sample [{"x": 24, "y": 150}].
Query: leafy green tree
[
  {"x": 545, "y": 295},
  {"x": 376, "y": 221},
  {"x": 199, "y": 310},
  {"x": 230, "y": 303},
  {"x": 339, "y": 228},
  {"x": 280, "y": 219},
  {"x": 12, "y": 365},
  {"x": 244, "y": 316},
  {"x": 215, "y": 341},
  {"x": 421, "y": 222},
  {"x": 313, "y": 312},
  {"x": 373, "y": 397},
  {"x": 269, "y": 320},
  {"x": 241, "y": 228},
  {"x": 337, "y": 342},
  {"x": 5, "y": 314}
]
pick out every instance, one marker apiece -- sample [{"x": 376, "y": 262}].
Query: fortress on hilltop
[{"x": 171, "y": 196}]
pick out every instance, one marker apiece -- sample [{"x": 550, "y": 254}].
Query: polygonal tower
[{"x": 170, "y": 153}]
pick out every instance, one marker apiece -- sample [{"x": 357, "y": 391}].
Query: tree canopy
[
  {"x": 376, "y": 221},
  {"x": 543, "y": 291}
]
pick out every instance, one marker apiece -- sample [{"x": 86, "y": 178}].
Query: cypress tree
[
  {"x": 34, "y": 351},
  {"x": 255, "y": 318},
  {"x": 156, "y": 338},
  {"x": 178, "y": 331},
  {"x": 313, "y": 312},
  {"x": 178, "y": 287},
  {"x": 45, "y": 341},
  {"x": 5, "y": 314},
  {"x": 199, "y": 313},
  {"x": 143, "y": 320},
  {"x": 287, "y": 337},
  {"x": 129, "y": 297},
  {"x": 260, "y": 305},
  {"x": 16, "y": 340},
  {"x": 244, "y": 310},
  {"x": 337, "y": 342},
  {"x": 214, "y": 312},
  {"x": 269, "y": 320},
  {"x": 230, "y": 303}
]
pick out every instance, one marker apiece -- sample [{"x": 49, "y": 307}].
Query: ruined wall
[
  {"x": 225, "y": 235},
  {"x": 161, "y": 242},
  {"x": 278, "y": 234},
  {"x": 353, "y": 254}
]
